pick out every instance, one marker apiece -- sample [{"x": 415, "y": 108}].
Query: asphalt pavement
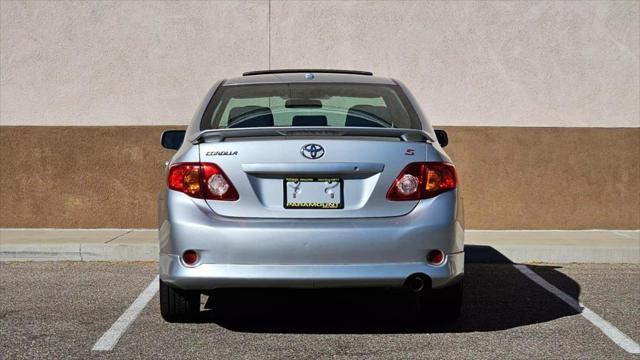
[{"x": 61, "y": 309}]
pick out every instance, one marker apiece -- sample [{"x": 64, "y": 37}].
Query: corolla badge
[{"x": 312, "y": 151}]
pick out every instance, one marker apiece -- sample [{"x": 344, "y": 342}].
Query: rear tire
[
  {"x": 178, "y": 305},
  {"x": 442, "y": 305}
]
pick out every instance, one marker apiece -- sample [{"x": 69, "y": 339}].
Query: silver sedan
[{"x": 310, "y": 179}]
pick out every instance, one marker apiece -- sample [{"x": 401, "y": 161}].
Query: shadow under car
[{"x": 496, "y": 297}]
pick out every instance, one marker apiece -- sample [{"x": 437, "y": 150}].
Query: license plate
[{"x": 313, "y": 193}]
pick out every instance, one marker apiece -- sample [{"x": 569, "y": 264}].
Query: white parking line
[
  {"x": 110, "y": 338},
  {"x": 609, "y": 330}
]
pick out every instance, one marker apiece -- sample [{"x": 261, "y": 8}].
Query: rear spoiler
[{"x": 219, "y": 135}]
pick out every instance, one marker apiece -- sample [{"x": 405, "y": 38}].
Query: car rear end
[{"x": 299, "y": 181}]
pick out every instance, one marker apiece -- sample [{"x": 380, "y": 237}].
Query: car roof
[{"x": 300, "y": 76}]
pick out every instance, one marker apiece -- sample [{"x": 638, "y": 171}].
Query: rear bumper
[
  {"x": 211, "y": 276},
  {"x": 371, "y": 252}
]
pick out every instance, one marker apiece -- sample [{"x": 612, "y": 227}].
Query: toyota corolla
[{"x": 310, "y": 179}]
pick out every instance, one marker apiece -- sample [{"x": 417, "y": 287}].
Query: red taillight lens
[
  {"x": 435, "y": 257},
  {"x": 201, "y": 180},
  {"x": 423, "y": 180},
  {"x": 190, "y": 257}
]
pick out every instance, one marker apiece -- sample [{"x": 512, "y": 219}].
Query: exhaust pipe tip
[{"x": 415, "y": 283}]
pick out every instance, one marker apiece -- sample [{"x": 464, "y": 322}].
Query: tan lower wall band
[{"x": 511, "y": 177}]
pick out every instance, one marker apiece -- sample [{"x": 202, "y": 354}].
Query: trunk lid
[{"x": 278, "y": 176}]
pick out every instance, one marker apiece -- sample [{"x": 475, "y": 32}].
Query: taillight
[
  {"x": 201, "y": 180},
  {"x": 423, "y": 180}
]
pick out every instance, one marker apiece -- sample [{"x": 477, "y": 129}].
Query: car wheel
[
  {"x": 177, "y": 305},
  {"x": 442, "y": 305}
]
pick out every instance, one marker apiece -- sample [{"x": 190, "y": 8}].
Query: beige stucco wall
[
  {"x": 127, "y": 63},
  {"x": 561, "y": 64}
]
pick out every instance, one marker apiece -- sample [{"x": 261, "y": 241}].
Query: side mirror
[
  {"x": 443, "y": 138},
  {"x": 172, "y": 139}
]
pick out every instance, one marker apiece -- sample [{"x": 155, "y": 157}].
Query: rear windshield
[{"x": 293, "y": 104}]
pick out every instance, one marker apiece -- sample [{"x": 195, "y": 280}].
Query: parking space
[
  {"x": 62, "y": 308},
  {"x": 56, "y": 309},
  {"x": 613, "y": 293}
]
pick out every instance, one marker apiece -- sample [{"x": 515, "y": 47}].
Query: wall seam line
[{"x": 269, "y": 32}]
